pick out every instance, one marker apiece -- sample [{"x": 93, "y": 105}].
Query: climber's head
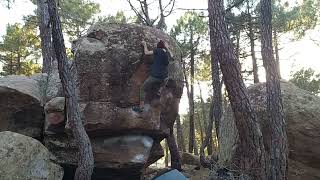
[{"x": 161, "y": 44}]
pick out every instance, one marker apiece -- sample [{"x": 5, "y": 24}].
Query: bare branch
[
  {"x": 169, "y": 12},
  {"x": 191, "y": 9},
  {"x": 137, "y": 12}
]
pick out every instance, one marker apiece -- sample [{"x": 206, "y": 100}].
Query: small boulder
[
  {"x": 23, "y": 157},
  {"x": 55, "y": 115}
]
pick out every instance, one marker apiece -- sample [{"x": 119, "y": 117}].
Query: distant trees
[
  {"x": 307, "y": 79},
  {"x": 20, "y": 50},
  {"x": 189, "y": 32}
]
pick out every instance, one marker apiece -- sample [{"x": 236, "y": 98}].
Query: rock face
[
  {"x": 23, "y": 157},
  {"x": 49, "y": 85},
  {"x": 302, "y": 116},
  {"x": 110, "y": 69},
  {"x": 20, "y": 106}
]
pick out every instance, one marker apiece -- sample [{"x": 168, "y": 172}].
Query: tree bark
[
  {"x": 175, "y": 155},
  {"x": 85, "y": 161},
  {"x": 252, "y": 46},
  {"x": 276, "y": 138},
  {"x": 249, "y": 155},
  {"x": 45, "y": 36},
  {"x": 180, "y": 137}
]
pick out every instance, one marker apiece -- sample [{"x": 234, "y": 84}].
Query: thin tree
[
  {"x": 276, "y": 138},
  {"x": 45, "y": 36},
  {"x": 85, "y": 161},
  {"x": 251, "y": 35},
  {"x": 249, "y": 155},
  {"x": 180, "y": 136}
]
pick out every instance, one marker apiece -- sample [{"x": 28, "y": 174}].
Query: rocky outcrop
[
  {"x": 110, "y": 68},
  {"x": 20, "y": 106},
  {"x": 302, "y": 112},
  {"x": 23, "y": 157}
]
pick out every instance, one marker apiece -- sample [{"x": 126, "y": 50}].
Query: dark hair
[{"x": 161, "y": 44}]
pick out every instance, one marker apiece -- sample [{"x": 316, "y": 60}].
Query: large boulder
[
  {"x": 110, "y": 68},
  {"x": 20, "y": 106},
  {"x": 302, "y": 116},
  {"x": 23, "y": 157}
]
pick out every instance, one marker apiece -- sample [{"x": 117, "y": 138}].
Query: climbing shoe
[{"x": 137, "y": 109}]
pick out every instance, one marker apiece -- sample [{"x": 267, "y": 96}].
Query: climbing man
[{"x": 159, "y": 69}]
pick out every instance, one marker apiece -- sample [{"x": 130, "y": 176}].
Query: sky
[{"x": 293, "y": 55}]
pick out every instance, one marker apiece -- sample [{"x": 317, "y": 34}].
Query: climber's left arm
[{"x": 145, "y": 48}]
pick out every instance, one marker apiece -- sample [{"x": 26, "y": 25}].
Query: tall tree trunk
[
  {"x": 203, "y": 109},
  {"x": 210, "y": 122},
  {"x": 249, "y": 154},
  {"x": 252, "y": 46},
  {"x": 276, "y": 138},
  {"x": 180, "y": 136},
  {"x": 45, "y": 36},
  {"x": 191, "y": 141},
  {"x": 276, "y": 51},
  {"x": 191, "y": 101},
  {"x": 174, "y": 153},
  {"x": 85, "y": 161},
  {"x": 200, "y": 128}
]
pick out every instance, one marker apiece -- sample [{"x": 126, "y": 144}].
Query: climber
[{"x": 159, "y": 69}]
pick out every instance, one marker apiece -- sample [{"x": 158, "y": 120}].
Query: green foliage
[
  {"x": 191, "y": 33},
  {"x": 119, "y": 18},
  {"x": 298, "y": 19},
  {"x": 307, "y": 79},
  {"x": 20, "y": 50},
  {"x": 77, "y": 15},
  {"x": 190, "y": 25}
]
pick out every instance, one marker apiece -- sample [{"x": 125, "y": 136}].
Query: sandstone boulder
[
  {"x": 110, "y": 70},
  {"x": 302, "y": 112},
  {"x": 23, "y": 157},
  {"x": 20, "y": 106}
]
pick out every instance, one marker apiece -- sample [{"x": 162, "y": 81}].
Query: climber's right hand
[{"x": 143, "y": 43}]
